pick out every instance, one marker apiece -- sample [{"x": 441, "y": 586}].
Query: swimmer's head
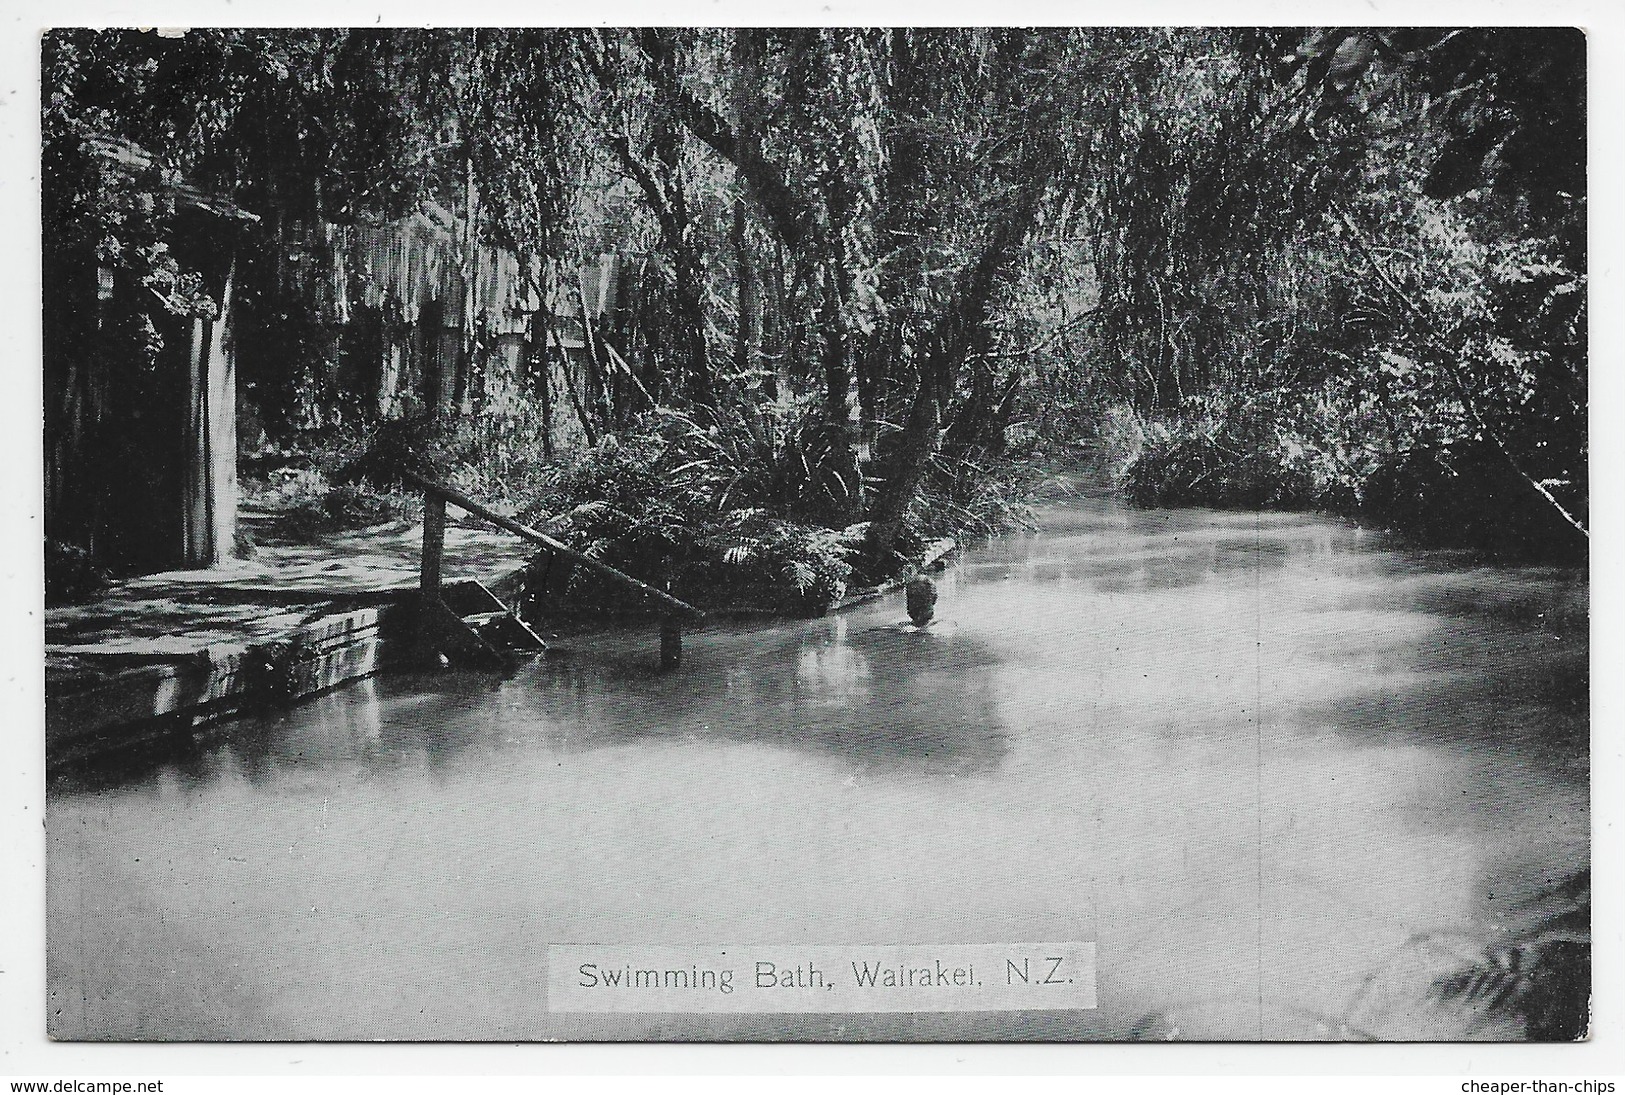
[{"x": 922, "y": 600}]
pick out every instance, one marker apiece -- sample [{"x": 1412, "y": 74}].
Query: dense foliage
[
  {"x": 1332, "y": 268},
  {"x": 1395, "y": 327}
]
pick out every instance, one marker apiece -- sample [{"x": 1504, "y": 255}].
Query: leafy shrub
[
  {"x": 1332, "y": 450},
  {"x": 752, "y": 506},
  {"x": 802, "y": 567},
  {"x": 975, "y": 495},
  {"x": 1224, "y": 456},
  {"x": 494, "y": 457},
  {"x": 1541, "y": 973},
  {"x": 309, "y": 509},
  {"x": 701, "y": 512}
]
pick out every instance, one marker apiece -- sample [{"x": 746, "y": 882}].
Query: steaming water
[{"x": 1259, "y": 759}]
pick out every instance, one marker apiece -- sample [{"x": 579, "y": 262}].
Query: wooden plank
[
  {"x": 442, "y": 632},
  {"x": 541, "y": 539},
  {"x": 220, "y": 680}
]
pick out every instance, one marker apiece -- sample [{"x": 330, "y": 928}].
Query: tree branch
[
  {"x": 621, "y": 144},
  {"x": 772, "y": 193},
  {"x": 1064, "y": 329}
]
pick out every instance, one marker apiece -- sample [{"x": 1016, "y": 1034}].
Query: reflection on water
[{"x": 1251, "y": 755}]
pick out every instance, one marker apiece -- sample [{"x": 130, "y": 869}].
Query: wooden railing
[{"x": 435, "y": 497}]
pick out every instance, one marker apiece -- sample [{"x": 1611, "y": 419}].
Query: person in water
[{"x": 922, "y": 599}]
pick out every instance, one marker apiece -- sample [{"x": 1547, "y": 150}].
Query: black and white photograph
[{"x": 816, "y": 534}]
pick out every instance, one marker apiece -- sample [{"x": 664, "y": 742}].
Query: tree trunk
[
  {"x": 837, "y": 369},
  {"x": 209, "y": 521},
  {"x": 960, "y": 330},
  {"x": 908, "y": 456},
  {"x": 747, "y": 113},
  {"x": 689, "y": 294}
]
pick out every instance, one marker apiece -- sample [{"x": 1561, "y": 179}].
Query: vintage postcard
[{"x": 816, "y": 534}]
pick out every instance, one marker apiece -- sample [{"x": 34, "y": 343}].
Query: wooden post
[
  {"x": 431, "y": 610},
  {"x": 557, "y": 582},
  {"x": 671, "y": 643},
  {"x": 434, "y": 542}
]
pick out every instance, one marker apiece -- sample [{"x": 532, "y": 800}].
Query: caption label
[{"x": 950, "y": 977}]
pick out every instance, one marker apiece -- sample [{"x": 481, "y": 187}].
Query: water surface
[{"x": 1265, "y": 761}]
